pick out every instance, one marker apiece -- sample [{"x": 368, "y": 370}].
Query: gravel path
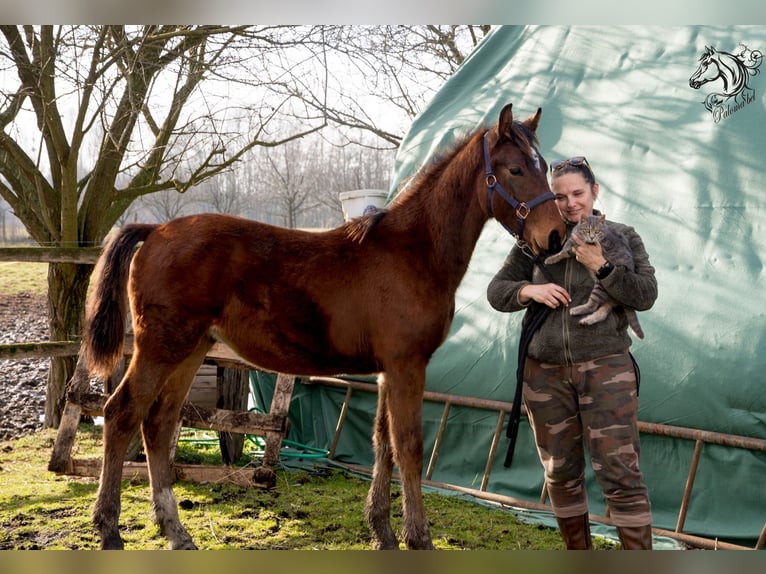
[{"x": 23, "y": 318}]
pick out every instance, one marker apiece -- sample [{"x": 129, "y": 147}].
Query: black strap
[
  {"x": 534, "y": 318},
  {"x": 532, "y": 321},
  {"x": 637, "y": 370}
]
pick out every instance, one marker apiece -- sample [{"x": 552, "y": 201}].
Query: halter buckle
[{"x": 523, "y": 211}]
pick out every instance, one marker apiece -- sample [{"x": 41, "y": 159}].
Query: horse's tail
[{"x": 106, "y": 307}]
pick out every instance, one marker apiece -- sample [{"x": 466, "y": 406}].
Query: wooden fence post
[{"x": 232, "y": 386}]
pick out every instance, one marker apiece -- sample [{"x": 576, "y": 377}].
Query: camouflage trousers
[{"x": 593, "y": 403}]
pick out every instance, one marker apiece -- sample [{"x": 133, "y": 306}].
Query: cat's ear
[{"x": 602, "y": 219}]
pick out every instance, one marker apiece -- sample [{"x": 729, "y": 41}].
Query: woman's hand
[
  {"x": 589, "y": 254},
  {"x": 549, "y": 294}
]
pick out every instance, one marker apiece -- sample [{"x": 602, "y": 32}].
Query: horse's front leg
[
  {"x": 405, "y": 407},
  {"x": 378, "y": 507}
]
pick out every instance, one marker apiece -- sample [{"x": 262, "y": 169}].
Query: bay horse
[{"x": 375, "y": 295}]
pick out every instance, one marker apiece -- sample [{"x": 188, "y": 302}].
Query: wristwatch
[{"x": 604, "y": 270}]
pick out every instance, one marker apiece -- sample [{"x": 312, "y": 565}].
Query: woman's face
[{"x": 574, "y": 196}]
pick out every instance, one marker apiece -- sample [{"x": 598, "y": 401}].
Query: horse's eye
[{"x": 515, "y": 170}]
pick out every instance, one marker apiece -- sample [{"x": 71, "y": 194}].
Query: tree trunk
[{"x": 67, "y": 289}]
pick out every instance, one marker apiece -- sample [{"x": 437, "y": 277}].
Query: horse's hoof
[
  {"x": 386, "y": 546},
  {"x": 112, "y": 543},
  {"x": 385, "y": 543},
  {"x": 185, "y": 545},
  {"x": 264, "y": 477},
  {"x": 421, "y": 545}
]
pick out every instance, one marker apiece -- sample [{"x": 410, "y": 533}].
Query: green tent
[{"x": 684, "y": 165}]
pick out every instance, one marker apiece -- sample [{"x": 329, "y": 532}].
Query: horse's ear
[
  {"x": 534, "y": 121},
  {"x": 505, "y": 123}
]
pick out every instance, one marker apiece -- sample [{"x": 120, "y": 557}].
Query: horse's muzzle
[{"x": 554, "y": 241}]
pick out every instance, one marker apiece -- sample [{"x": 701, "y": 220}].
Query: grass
[
  {"x": 22, "y": 277},
  {"x": 318, "y": 507}
]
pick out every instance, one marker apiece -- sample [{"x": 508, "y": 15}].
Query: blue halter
[{"x": 522, "y": 209}]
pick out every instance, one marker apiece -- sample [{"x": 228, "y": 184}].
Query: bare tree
[
  {"x": 164, "y": 205},
  {"x": 287, "y": 180},
  {"x": 138, "y": 92},
  {"x": 224, "y": 194},
  {"x": 395, "y": 71}
]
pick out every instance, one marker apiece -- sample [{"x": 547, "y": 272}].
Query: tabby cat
[{"x": 616, "y": 249}]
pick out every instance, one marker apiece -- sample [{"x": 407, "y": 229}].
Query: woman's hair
[{"x": 578, "y": 164}]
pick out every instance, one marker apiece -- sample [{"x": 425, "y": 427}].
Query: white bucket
[{"x": 357, "y": 201}]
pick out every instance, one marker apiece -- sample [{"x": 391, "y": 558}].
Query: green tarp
[{"x": 685, "y": 166}]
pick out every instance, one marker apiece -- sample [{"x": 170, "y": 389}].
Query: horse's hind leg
[
  {"x": 404, "y": 402},
  {"x": 159, "y": 433},
  {"x": 378, "y": 507},
  {"x": 123, "y": 413}
]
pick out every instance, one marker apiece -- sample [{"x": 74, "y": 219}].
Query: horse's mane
[
  {"x": 526, "y": 140},
  {"x": 358, "y": 228}
]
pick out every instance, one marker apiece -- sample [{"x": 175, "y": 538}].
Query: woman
[{"x": 580, "y": 381}]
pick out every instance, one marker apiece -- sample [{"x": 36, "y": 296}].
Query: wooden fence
[
  {"x": 78, "y": 255},
  {"x": 225, "y": 387}
]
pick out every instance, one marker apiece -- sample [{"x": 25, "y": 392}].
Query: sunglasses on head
[{"x": 576, "y": 161}]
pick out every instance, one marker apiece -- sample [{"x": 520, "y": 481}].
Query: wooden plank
[
  {"x": 41, "y": 350},
  {"x": 204, "y": 389},
  {"x": 242, "y": 476},
  {"x": 60, "y": 461},
  {"x": 219, "y": 354},
  {"x": 280, "y": 404},
  {"x": 233, "y": 421},
  {"x": 61, "y": 456},
  {"x": 79, "y": 255},
  {"x": 201, "y": 417},
  {"x": 283, "y": 394}
]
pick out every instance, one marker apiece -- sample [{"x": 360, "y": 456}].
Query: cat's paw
[
  {"x": 596, "y": 317},
  {"x": 580, "y": 310},
  {"x": 551, "y": 259}
]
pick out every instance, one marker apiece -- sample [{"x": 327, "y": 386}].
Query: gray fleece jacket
[{"x": 561, "y": 340}]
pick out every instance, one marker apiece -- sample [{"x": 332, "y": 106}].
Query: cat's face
[{"x": 591, "y": 228}]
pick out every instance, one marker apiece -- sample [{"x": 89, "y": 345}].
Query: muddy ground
[{"x": 23, "y": 318}]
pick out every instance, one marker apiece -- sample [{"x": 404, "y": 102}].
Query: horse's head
[
  {"x": 707, "y": 70},
  {"x": 517, "y": 192}
]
